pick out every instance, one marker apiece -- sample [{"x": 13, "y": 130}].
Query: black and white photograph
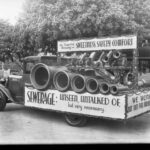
[{"x": 74, "y": 72}]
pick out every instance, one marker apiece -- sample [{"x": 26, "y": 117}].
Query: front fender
[{"x": 6, "y": 92}]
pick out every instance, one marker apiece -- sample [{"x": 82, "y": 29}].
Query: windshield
[{"x": 28, "y": 67}]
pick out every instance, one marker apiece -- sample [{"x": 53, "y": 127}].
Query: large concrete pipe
[
  {"x": 41, "y": 75},
  {"x": 103, "y": 87},
  {"x": 103, "y": 72},
  {"x": 115, "y": 89},
  {"x": 61, "y": 80},
  {"x": 107, "y": 57},
  {"x": 78, "y": 83},
  {"x": 99, "y": 61},
  {"x": 128, "y": 79},
  {"x": 116, "y": 54},
  {"x": 92, "y": 85}
]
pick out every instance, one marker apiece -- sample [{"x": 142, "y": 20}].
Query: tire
[
  {"x": 2, "y": 101},
  {"x": 75, "y": 120}
]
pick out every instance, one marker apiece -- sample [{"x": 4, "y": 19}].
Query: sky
[{"x": 10, "y": 10}]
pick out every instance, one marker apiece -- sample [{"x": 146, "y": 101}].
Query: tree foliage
[
  {"x": 44, "y": 22},
  {"x": 5, "y": 40}
]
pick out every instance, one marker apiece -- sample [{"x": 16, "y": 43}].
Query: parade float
[{"x": 105, "y": 77}]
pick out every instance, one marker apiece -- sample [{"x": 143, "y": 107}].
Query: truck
[{"x": 105, "y": 77}]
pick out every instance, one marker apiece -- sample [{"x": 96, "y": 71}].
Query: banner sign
[
  {"x": 86, "y": 103},
  {"x": 138, "y": 104},
  {"x": 123, "y": 42}
]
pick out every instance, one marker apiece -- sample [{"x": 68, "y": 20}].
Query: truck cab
[{"x": 16, "y": 82}]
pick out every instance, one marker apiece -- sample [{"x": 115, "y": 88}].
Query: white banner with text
[
  {"x": 123, "y": 42},
  {"x": 86, "y": 103},
  {"x": 138, "y": 103}
]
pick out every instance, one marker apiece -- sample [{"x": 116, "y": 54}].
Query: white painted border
[
  {"x": 71, "y": 105},
  {"x": 135, "y": 102},
  {"x": 71, "y": 45}
]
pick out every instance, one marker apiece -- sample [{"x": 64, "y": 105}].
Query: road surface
[{"x": 22, "y": 125}]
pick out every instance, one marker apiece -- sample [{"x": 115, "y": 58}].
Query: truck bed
[{"x": 122, "y": 107}]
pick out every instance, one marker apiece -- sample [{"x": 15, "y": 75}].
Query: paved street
[{"x": 21, "y": 125}]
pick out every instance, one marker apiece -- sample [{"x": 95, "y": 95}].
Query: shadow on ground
[
  {"x": 139, "y": 123},
  {"x": 135, "y": 124}
]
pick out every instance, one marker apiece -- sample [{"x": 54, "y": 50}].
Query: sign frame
[
  {"x": 97, "y": 44},
  {"x": 107, "y": 109},
  {"x": 126, "y": 114}
]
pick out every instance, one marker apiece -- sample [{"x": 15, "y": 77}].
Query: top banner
[{"x": 123, "y": 42}]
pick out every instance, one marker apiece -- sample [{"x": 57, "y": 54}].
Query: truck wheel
[
  {"x": 2, "y": 101},
  {"x": 75, "y": 120}
]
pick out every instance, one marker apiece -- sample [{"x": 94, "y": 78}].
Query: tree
[
  {"x": 5, "y": 40},
  {"x": 44, "y": 22}
]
